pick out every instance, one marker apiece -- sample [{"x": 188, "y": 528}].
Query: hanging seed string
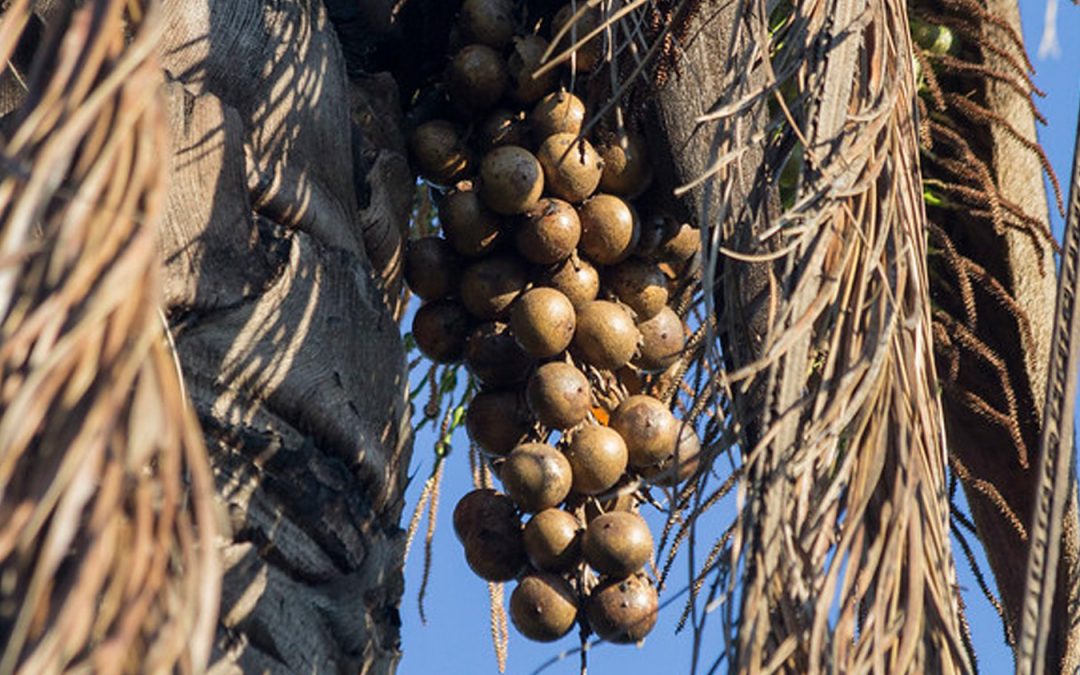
[
  {"x": 500, "y": 629},
  {"x": 429, "y": 536}
]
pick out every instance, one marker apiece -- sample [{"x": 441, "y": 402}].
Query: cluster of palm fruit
[{"x": 546, "y": 287}]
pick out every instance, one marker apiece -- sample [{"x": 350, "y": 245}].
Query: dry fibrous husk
[
  {"x": 840, "y": 545},
  {"x": 106, "y": 515}
]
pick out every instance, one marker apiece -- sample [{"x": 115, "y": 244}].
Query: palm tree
[{"x": 878, "y": 276}]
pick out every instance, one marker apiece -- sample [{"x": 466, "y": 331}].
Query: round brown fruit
[
  {"x": 543, "y": 321},
  {"x": 553, "y": 540},
  {"x": 571, "y": 166},
  {"x": 470, "y": 227},
  {"x": 439, "y": 152},
  {"x": 681, "y": 244},
  {"x": 543, "y": 607},
  {"x": 502, "y": 127},
  {"x": 489, "y": 22},
  {"x": 494, "y": 357},
  {"x": 606, "y": 336},
  {"x": 649, "y": 429},
  {"x": 488, "y": 525},
  {"x": 589, "y": 54},
  {"x": 560, "y": 112},
  {"x": 489, "y": 286},
  {"x": 432, "y": 268},
  {"x": 536, "y": 476},
  {"x": 575, "y": 278},
  {"x": 597, "y": 457},
  {"x": 522, "y": 63},
  {"x": 476, "y": 78},
  {"x": 511, "y": 180},
  {"x": 559, "y": 395},
  {"x": 617, "y": 543},
  {"x": 609, "y": 229},
  {"x": 627, "y": 171},
  {"x": 639, "y": 285},
  {"x": 440, "y": 328},
  {"x": 623, "y": 610},
  {"x": 497, "y": 421},
  {"x": 624, "y": 501},
  {"x": 496, "y": 551},
  {"x": 682, "y": 464},
  {"x": 548, "y": 233},
  {"x": 483, "y": 508},
  {"x": 662, "y": 340}
]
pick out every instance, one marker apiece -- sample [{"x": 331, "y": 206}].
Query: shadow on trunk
[{"x": 286, "y": 330}]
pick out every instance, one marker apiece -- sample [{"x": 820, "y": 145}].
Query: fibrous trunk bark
[{"x": 290, "y": 194}]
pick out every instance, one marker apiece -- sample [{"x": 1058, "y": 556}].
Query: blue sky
[{"x": 456, "y": 639}]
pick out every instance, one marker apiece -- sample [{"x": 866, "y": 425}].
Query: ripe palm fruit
[
  {"x": 597, "y": 457},
  {"x": 491, "y": 533},
  {"x": 490, "y": 285},
  {"x": 681, "y": 244},
  {"x": 553, "y": 540},
  {"x": 682, "y": 464},
  {"x": 440, "y": 328},
  {"x": 590, "y": 53},
  {"x": 649, "y": 429},
  {"x": 495, "y": 554},
  {"x": 662, "y": 340},
  {"x": 494, "y": 357},
  {"x": 489, "y": 22},
  {"x": 523, "y": 61},
  {"x": 609, "y": 229},
  {"x": 623, "y": 610},
  {"x": 606, "y": 336},
  {"x": 497, "y": 421},
  {"x": 627, "y": 171},
  {"x": 439, "y": 152},
  {"x": 481, "y": 506},
  {"x": 571, "y": 166},
  {"x": 536, "y": 476},
  {"x": 548, "y": 233},
  {"x": 624, "y": 501},
  {"x": 476, "y": 78},
  {"x": 560, "y": 112},
  {"x": 432, "y": 268},
  {"x": 617, "y": 543},
  {"x": 639, "y": 285},
  {"x": 511, "y": 180},
  {"x": 470, "y": 227},
  {"x": 543, "y": 607},
  {"x": 543, "y": 322},
  {"x": 502, "y": 127},
  {"x": 559, "y": 395},
  {"x": 575, "y": 278}
]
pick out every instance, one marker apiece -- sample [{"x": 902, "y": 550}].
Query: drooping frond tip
[
  {"x": 842, "y": 533},
  {"x": 106, "y": 498}
]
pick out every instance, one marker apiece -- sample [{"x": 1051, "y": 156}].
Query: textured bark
[
  {"x": 685, "y": 149},
  {"x": 281, "y": 287}
]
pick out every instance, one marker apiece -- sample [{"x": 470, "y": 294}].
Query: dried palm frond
[
  {"x": 106, "y": 515},
  {"x": 841, "y": 543}
]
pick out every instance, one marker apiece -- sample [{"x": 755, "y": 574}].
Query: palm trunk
[{"x": 282, "y": 294}]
